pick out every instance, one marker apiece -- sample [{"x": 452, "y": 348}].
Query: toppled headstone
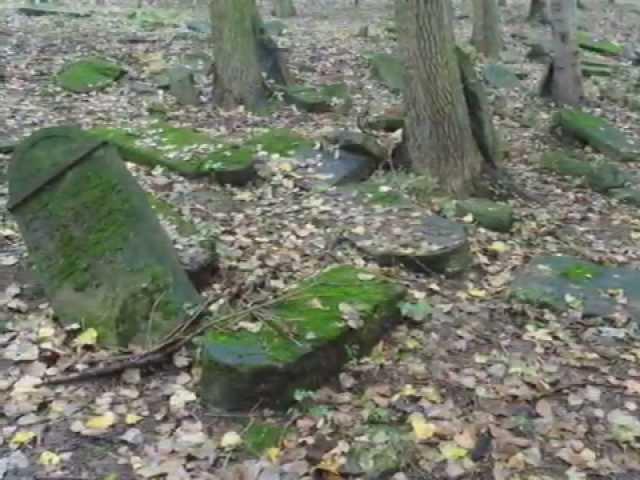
[
  {"x": 182, "y": 85},
  {"x": 299, "y": 342},
  {"x": 100, "y": 253},
  {"x": 325, "y": 98},
  {"x": 562, "y": 282},
  {"x": 597, "y": 133},
  {"x": 500, "y": 77},
  {"x": 388, "y": 70},
  {"x": 600, "y": 46},
  {"x": 88, "y": 75},
  {"x": 488, "y": 214},
  {"x": 34, "y": 11}
]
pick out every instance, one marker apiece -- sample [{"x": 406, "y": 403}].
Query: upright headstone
[{"x": 97, "y": 246}]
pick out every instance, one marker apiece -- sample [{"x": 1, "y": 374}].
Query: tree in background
[
  {"x": 284, "y": 8},
  {"x": 487, "y": 36}
]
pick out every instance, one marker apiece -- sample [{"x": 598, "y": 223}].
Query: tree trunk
[
  {"x": 564, "y": 81},
  {"x": 538, "y": 11},
  {"x": 236, "y": 39},
  {"x": 284, "y": 8},
  {"x": 486, "y": 37},
  {"x": 438, "y": 129}
]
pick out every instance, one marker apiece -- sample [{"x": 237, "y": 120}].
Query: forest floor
[{"x": 527, "y": 393}]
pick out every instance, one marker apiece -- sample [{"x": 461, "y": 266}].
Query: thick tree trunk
[
  {"x": 538, "y": 11},
  {"x": 486, "y": 37},
  {"x": 236, "y": 39},
  {"x": 565, "y": 78},
  {"x": 438, "y": 129},
  {"x": 284, "y": 8}
]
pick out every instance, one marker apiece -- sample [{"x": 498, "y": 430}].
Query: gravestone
[{"x": 98, "y": 249}]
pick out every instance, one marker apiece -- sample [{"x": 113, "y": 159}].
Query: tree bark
[
  {"x": 284, "y": 8},
  {"x": 438, "y": 130},
  {"x": 486, "y": 37},
  {"x": 538, "y": 11},
  {"x": 564, "y": 72},
  {"x": 236, "y": 39}
]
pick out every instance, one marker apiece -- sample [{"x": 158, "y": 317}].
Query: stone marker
[
  {"x": 488, "y": 214},
  {"x": 300, "y": 341},
  {"x": 563, "y": 282},
  {"x": 182, "y": 85},
  {"x": 89, "y": 74},
  {"x": 500, "y": 77},
  {"x": 100, "y": 253},
  {"x": 388, "y": 70},
  {"x": 322, "y": 99}
]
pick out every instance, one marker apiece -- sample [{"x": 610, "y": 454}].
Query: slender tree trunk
[
  {"x": 566, "y": 77},
  {"x": 486, "y": 37},
  {"x": 236, "y": 47},
  {"x": 438, "y": 129},
  {"x": 538, "y": 11},
  {"x": 284, "y": 8}
]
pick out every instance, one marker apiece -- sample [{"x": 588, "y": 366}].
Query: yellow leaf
[
  {"x": 132, "y": 419},
  {"x": 273, "y": 454},
  {"x": 451, "y": 451},
  {"x": 46, "y": 332},
  {"x": 22, "y": 438},
  {"x": 101, "y": 422},
  {"x": 477, "y": 293},
  {"x": 88, "y": 337},
  {"x": 498, "y": 247},
  {"x": 230, "y": 440},
  {"x": 365, "y": 277},
  {"x": 48, "y": 458},
  {"x": 421, "y": 428}
]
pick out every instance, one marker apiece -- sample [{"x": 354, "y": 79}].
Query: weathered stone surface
[
  {"x": 88, "y": 75},
  {"x": 325, "y": 98},
  {"x": 605, "y": 176},
  {"x": 388, "y": 70},
  {"x": 199, "y": 26},
  {"x": 42, "y": 11},
  {"x": 192, "y": 153},
  {"x": 598, "y": 133},
  {"x": 563, "y": 164},
  {"x": 275, "y": 28},
  {"x": 422, "y": 243},
  {"x": 563, "y": 282},
  {"x": 630, "y": 196},
  {"x": 601, "y": 46},
  {"x": 300, "y": 342},
  {"x": 182, "y": 85},
  {"x": 7, "y": 145},
  {"x": 488, "y": 214},
  {"x": 358, "y": 142},
  {"x": 600, "y": 176},
  {"x": 500, "y": 77},
  {"x": 386, "y": 122},
  {"x": 99, "y": 250}
]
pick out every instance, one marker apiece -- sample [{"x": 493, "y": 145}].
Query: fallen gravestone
[
  {"x": 601, "y": 46},
  {"x": 488, "y": 214},
  {"x": 325, "y": 98},
  {"x": 88, "y": 75},
  {"x": 561, "y": 283},
  {"x": 35, "y": 11},
  {"x": 500, "y": 77},
  {"x": 300, "y": 341},
  {"x": 388, "y": 70},
  {"x": 182, "y": 85},
  {"x": 597, "y": 133},
  {"x": 100, "y": 253}
]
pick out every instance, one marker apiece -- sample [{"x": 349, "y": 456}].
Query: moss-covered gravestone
[
  {"x": 388, "y": 70},
  {"x": 98, "y": 248},
  {"x": 299, "y": 342},
  {"x": 322, "y": 99},
  {"x": 563, "y": 282},
  {"x": 488, "y": 214},
  {"x": 89, "y": 74}
]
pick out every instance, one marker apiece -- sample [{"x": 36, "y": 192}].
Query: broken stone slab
[
  {"x": 488, "y": 214},
  {"x": 562, "y": 282},
  {"x": 601, "y": 46},
  {"x": 563, "y": 164},
  {"x": 388, "y": 70},
  {"x": 326, "y": 98},
  {"x": 99, "y": 251},
  {"x": 42, "y": 11},
  {"x": 299, "y": 342},
  {"x": 195, "y": 247},
  {"x": 539, "y": 53},
  {"x": 500, "y": 77},
  {"x": 414, "y": 239},
  {"x": 89, "y": 74},
  {"x": 186, "y": 151},
  {"x": 597, "y": 133},
  {"x": 182, "y": 85}
]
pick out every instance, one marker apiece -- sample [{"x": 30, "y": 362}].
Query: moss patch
[
  {"x": 325, "y": 98},
  {"x": 305, "y": 339},
  {"x": 581, "y": 272},
  {"x": 561, "y": 163},
  {"x": 259, "y": 437},
  {"x": 88, "y": 75},
  {"x": 388, "y": 70},
  {"x": 601, "y": 46},
  {"x": 490, "y": 215}
]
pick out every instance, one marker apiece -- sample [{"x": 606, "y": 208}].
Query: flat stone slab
[
  {"x": 195, "y": 154},
  {"x": 598, "y": 133},
  {"x": 88, "y": 75},
  {"x": 299, "y": 342},
  {"x": 563, "y": 282},
  {"x": 7, "y": 145},
  {"x": 42, "y": 11},
  {"x": 488, "y": 214},
  {"x": 598, "y": 45},
  {"x": 97, "y": 246},
  {"x": 500, "y": 77},
  {"x": 322, "y": 99},
  {"x": 388, "y": 70}
]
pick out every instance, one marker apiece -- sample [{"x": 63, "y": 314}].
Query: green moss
[
  {"x": 259, "y": 437},
  {"x": 173, "y": 215},
  {"x": 581, "y": 272},
  {"x": 89, "y": 74},
  {"x": 319, "y": 99},
  {"x": 601, "y": 46},
  {"x": 561, "y": 163},
  {"x": 538, "y": 297}
]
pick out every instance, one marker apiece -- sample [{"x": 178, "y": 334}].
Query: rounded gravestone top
[{"x": 44, "y": 156}]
